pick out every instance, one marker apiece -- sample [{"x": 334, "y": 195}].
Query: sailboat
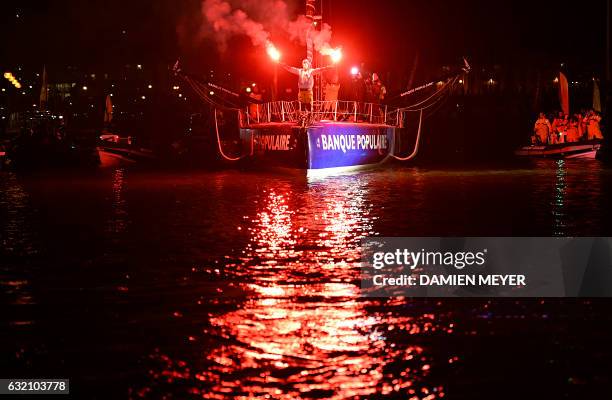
[
  {"x": 583, "y": 149},
  {"x": 334, "y": 136},
  {"x": 115, "y": 150}
]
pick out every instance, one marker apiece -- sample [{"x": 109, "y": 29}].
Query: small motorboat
[{"x": 583, "y": 149}]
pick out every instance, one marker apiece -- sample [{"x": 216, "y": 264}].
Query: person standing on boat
[
  {"x": 559, "y": 126},
  {"x": 377, "y": 89},
  {"x": 573, "y": 132},
  {"x": 305, "y": 81},
  {"x": 330, "y": 93},
  {"x": 593, "y": 128},
  {"x": 542, "y": 129}
]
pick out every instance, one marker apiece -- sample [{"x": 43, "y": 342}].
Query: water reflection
[
  {"x": 558, "y": 204},
  {"x": 16, "y": 242},
  {"x": 302, "y": 330},
  {"x": 118, "y": 220}
]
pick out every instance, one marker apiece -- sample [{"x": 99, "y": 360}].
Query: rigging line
[
  {"x": 208, "y": 100},
  {"x": 202, "y": 93},
  {"x": 219, "y": 142},
  {"x": 438, "y": 92},
  {"x": 198, "y": 88},
  {"x": 416, "y": 144}
]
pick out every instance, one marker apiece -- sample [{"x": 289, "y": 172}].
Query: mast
[{"x": 310, "y": 14}]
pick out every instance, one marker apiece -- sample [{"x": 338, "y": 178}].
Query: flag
[
  {"x": 596, "y": 96},
  {"x": 564, "y": 93},
  {"x": 108, "y": 111},
  {"x": 44, "y": 94}
]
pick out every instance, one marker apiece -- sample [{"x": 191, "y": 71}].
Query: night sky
[{"x": 384, "y": 34}]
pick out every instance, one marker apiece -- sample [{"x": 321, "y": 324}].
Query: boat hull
[
  {"x": 324, "y": 146},
  {"x": 586, "y": 150}
]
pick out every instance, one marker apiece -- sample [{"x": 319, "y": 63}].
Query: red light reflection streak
[
  {"x": 118, "y": 220},
  {"x": 303, "y": 331}
]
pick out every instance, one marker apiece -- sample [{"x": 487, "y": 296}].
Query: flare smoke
[{"x": 255, "y": 19}]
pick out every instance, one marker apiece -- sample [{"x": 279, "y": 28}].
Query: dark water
[{"x": 245, "y": 285}]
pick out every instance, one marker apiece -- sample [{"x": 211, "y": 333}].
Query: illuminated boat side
[
  {"x": 587, "y": 150},
  {"x": 339, "y": 135}
]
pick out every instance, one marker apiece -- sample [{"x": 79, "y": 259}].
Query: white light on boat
[
  {"x": 354, "y": 71},
  {"x": 273, "y": 52},
  {"x": 336, "y": 55}
]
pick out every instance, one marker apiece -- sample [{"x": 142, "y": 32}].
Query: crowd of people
[
  {"x": 363, "y": 90},
  {"x": 369, "y": 89},
  {"x": 567, "y": 129}
]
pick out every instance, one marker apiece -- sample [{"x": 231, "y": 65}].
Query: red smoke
[{"x": 235, "y": 17}]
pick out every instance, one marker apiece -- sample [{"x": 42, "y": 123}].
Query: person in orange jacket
[
  {"x": 593, "y": 128},
  {"x": 542, "y": 129},
  {"x": 572, "y": 132}
]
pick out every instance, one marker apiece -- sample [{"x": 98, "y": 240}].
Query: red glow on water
[{"x": 302, "y": 330}]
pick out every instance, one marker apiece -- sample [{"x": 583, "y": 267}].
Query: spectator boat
[{"x": 584, "y": 149}]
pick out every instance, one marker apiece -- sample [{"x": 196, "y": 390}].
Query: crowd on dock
[{"x": 567, "y": 129}]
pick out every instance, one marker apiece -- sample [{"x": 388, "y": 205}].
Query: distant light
[
  {"x": 248, "y": 90},
  {"x": 7, "y": 75},
  {"x": 354, "y": 71},
  {"x": 85, "y": 88},
  {"x": 253, "y": 84},
  {"x": 33, "y": 105},
  {"x": 461, "y": 81},
  {"x": 180, "y": 94},
  {"x": 175, "y": 88},
  {"x": 139, "y": 66},
  {"x": 30, "y": 86},
  {"x": 143, "y": 97},
  {"x": 150, "y": 86},
  {"x": 3, "y": 89},
  {"x": 61, "y": 117},
  {"x": 111, "y": 95},
  {"x": 556, "y": 80},
  {"x": 211, "y": 93}
]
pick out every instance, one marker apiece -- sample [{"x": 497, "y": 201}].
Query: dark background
[{"x": 384, "y": 34}]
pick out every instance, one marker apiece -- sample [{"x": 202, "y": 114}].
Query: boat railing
[{"x": 338, "y": 110}]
